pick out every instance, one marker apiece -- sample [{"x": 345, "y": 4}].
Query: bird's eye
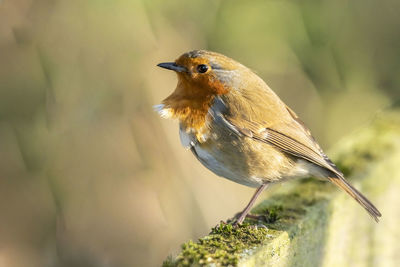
[{"x": 202, "y": 68}]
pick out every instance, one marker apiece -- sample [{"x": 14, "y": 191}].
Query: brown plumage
[{"x": 238, "y": 127}]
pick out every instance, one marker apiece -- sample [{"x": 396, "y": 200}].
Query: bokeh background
[{"x": 91, "y": 176}]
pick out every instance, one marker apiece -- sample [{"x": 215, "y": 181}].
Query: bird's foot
[{"x": 239, "y": 218}]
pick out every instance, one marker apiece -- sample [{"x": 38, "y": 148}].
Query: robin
[{"x": 238, "y": 128}]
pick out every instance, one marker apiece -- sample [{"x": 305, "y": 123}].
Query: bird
[{"x": 238, "y": 128}]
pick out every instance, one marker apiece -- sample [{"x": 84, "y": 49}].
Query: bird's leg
[{"x": 246, "y": 210}]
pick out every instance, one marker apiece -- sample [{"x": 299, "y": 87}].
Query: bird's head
[
  {"x": 204, "y": 72},
  {"x": 202, "y": 75}
]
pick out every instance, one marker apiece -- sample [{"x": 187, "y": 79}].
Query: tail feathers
[{"x": 360, "y": 198}]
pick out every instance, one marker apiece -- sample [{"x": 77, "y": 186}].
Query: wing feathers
[
  {"x": 285, "y": 143},
  {"x": 296, "y": 148}
]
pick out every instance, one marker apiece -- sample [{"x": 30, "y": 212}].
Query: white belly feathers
[{"x": 212, "y": 161}]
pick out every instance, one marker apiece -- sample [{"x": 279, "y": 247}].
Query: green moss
[
  {"x": 222, "y": 246},
  {"x": 282, "y": 211}
]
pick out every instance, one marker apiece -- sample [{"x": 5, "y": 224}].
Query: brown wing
[{"x": 291, "y": 137}]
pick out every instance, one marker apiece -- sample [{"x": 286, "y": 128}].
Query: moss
[
  {"x": 282, "y": 211},
  {"x": 222, "y": 246}
]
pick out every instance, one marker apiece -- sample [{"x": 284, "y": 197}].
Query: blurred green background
[{"x": 91, "y": 176}]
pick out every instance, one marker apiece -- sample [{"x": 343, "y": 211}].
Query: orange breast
[{"x": 189, "y": 104}]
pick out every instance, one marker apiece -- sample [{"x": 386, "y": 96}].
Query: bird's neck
[{"x": 190, "y": 106}]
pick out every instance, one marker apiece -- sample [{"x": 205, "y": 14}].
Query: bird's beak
[{"x": 172, "y": 66}]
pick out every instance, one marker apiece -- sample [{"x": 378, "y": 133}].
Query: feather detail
[
  {"x": 165, "y": 113},
  {"x": 360, "y": 198}
]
